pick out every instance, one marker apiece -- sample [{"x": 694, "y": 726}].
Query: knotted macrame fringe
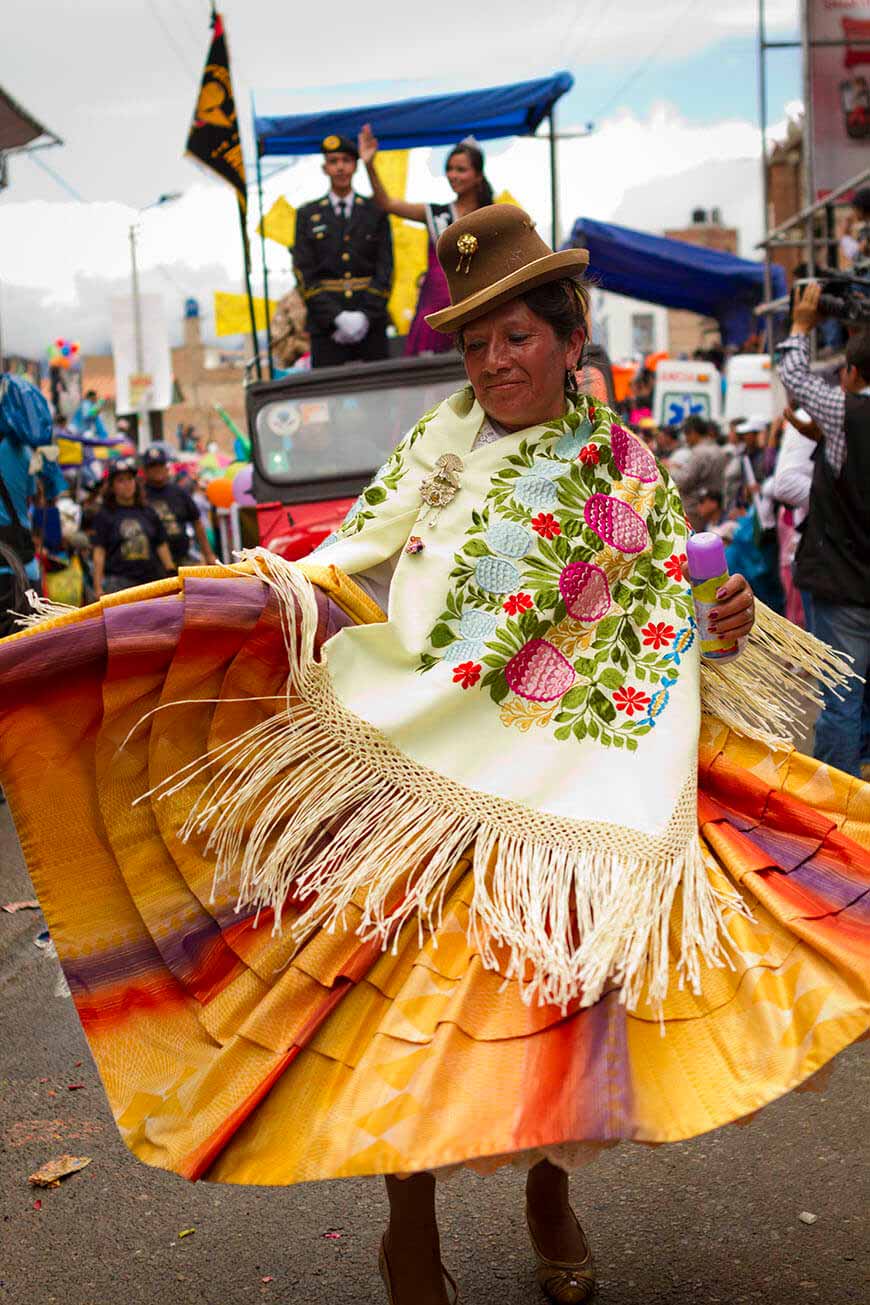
[
  {"x": 41, "y": 610},
  {"x": 765, "y": 692},
  {"x": 315, "y": 804}
]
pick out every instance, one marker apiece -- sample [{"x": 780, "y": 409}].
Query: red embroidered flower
[
  {"x": 467, "y": 674},
  {"x": 676, "y": 566},
  {"x": 630, "y": 700},
  {"x": 590, "y": 412},
  {"x": 658, "y": 635},
  {"x": 590, "y": 455},
  {"x": 518, "y": 603},
  {"x": 547, "y": 525}
]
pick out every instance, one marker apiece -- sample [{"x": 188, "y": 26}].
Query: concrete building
[{"x": 688, "y": 331}]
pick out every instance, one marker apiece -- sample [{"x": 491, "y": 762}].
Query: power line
[
  {"x": 55, "y": 176},
  {"x": 188, "y": 23},
  {"x": 645, "y": 63},
  {"x": 170, "y": 39}
]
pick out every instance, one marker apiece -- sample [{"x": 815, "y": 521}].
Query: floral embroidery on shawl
[{"x": 568, "y": 590}]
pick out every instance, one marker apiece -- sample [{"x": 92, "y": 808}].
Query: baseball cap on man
[{"x": 154, "y": 456}]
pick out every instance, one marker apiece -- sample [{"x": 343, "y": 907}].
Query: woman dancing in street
[{"x": 537, "y": 882}]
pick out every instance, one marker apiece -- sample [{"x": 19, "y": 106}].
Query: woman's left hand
[{"x": 734, "y": 613}]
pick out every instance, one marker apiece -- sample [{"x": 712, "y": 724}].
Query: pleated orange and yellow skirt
[{"x": 234, "y": 1055}]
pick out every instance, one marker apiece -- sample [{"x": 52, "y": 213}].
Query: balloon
[
  {"x": 242, "y": 487},
  {"x": 75, "y": 346},
  {"x": 65, "y": 351},
  {"x": 58, "y": 344},
  {"x": 219, "y": 492},
  {"x": 233, "y": 469}
]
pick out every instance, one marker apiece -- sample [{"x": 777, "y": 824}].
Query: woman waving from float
[{"x": 472, "y": 190}]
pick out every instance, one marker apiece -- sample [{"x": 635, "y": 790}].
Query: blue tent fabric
[
  {"x": 677, "y": 275},
  {"x": 515, "y": 110}
]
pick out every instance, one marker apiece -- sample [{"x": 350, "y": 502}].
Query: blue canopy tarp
[
  {"x": 677, "y": 275},
  {"x": 515, "y": 110}
]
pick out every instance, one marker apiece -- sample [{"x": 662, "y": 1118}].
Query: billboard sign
[
  {"x": 148, "y": 386},
  {"x": 840, "y": 80}
]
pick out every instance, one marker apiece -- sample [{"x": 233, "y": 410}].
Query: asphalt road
[{"x": 712, "y": 1220}]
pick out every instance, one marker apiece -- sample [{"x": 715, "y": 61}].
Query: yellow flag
[
  {"x": 410, "y": 242},
  {"x": 279, "y": 224},
  {"x": 231, "y": 315},
  {"x": 410, "y": 259},
  {"x": 392, "y": 168}
]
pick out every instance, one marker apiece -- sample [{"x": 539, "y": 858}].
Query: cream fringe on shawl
[{"x": 314, "y": 801}]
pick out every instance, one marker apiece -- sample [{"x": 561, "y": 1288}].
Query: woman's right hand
[{"x": 367, "y": 144}]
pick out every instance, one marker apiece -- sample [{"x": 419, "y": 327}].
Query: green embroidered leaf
[
  {"x": 575, "y": 697},
  {"x": 662, "y": 548},
  {"x": 605, "y": 739},
  {"x": 492, "y": 661},
  {"x": 640, "y": 616},
  {"x": 602, "y": 706},
  {"x": 583, "y": 666},
  {"x": 476, "y": 548},
  {"x": 631, "y": 744},
  {"x": 611, "y": 679},
  {"x": 441, "y": 636},
  {"x": 630, "y": 639},
  {"x": 500, "y": 689},
  {"x": 375, "y": 494},
  {"x": 562, "y": 548},
  {"x": 607, "y": 627},
  {"x": 563, "y": 732},
  {"x": 592, "y": 729},
  {"x": 579, "y": 728},
  {"x": 618, "y": 741}
]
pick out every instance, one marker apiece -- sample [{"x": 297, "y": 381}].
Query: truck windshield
[{"x": 346, "y": 435}]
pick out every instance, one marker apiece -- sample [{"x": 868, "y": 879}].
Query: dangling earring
[{"x": 570, "y": 381}]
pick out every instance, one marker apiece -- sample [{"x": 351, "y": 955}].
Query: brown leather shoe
[{"x": 563, "y": 1281}]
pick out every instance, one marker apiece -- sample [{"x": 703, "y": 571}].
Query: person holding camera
[{"x": 832, "y": 564}]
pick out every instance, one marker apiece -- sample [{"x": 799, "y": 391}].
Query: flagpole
[
  {"x": 246, "y": 251},
  {"x": 263, "y": 245}
]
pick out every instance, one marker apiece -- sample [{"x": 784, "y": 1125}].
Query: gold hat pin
[{"x": 466, "y": 248}]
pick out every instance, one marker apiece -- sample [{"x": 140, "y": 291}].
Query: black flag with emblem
[{"x": 214, "y": 133}]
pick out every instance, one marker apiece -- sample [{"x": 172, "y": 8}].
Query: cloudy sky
[{"x": 670, "y": 87}]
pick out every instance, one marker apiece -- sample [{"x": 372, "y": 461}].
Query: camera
[{"x": 845, "y": 296}]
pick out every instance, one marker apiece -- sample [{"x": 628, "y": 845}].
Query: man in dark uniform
[{"x": 343, "y": 258}]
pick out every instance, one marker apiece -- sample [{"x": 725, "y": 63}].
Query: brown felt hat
[{"x": 492, "y": 255}]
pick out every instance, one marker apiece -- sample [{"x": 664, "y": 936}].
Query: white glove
[{"x": 350, "y": 327}]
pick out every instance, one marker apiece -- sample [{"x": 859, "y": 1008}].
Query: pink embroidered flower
[
  {"x": 676, "y": 566},
  {"x": 589, "y": 455},
  {"x": 467, "y": 674},
  {"x": 658, "y": 635},
  {"x": 546, "y": 525},
  {"x": 630, "y": 700},
  {"x": 518, "y": 603}
]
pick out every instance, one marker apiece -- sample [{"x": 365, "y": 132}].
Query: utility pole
[{"x": 143, "y": 421}]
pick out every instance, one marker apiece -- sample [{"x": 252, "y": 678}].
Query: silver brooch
[{"x": 442, "y": 485}]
